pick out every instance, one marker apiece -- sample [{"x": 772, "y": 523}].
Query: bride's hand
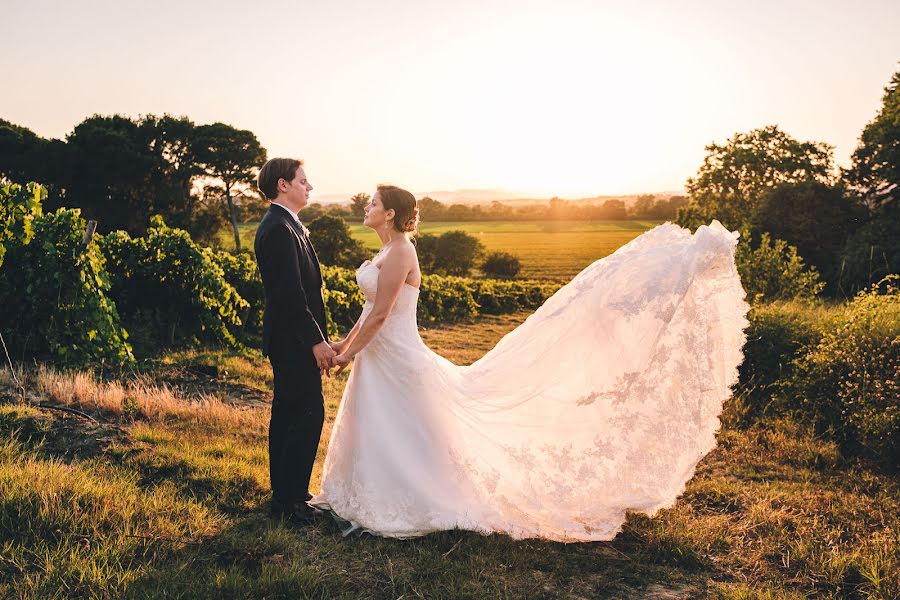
[
  {"x": 341, "y": 361},
  {"x": 337, "y": 346}
]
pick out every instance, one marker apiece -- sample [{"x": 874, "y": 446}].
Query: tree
[
  {"x": 426, "y": 250},
  {"x": 454, "y": 252},
  {"x": 334, "y": 244},
  {"x": 643, "y": 207},
  {"x": 121, "y": 171},
  {"x": 501, "y": 264},
  {"x": 107, "y": 174},
  {"x": 734, "y": 176},
  {"x": 169, "y": 141},
  {"x": 358, "y": 203},
  {"x": 814, "y": 217},
  {"x": 431, "y": 209},
  {"x": 232, "y": 156},
  {"x": 870, "y": 254},
  {"x": 25, "y": 156},
  {"x": 875, "y": 169},
  {"x": 615, "y": 210}
]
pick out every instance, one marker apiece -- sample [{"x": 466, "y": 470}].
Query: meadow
[
  {"x": 163, "y": 494},
  {"x": 549, "y": 250}
]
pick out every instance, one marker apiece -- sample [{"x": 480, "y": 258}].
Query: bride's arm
[
  {"x": 393, "y": 273},
  {"x": 343, "y": 344}
]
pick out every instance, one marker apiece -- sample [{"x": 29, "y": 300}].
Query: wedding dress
[{"x": 604, "y": 400}]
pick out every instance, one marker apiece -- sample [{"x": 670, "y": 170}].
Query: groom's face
[{"x": 298, "y": 188}]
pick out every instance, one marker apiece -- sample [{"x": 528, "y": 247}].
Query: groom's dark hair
[{"x": 272, "y": 171}]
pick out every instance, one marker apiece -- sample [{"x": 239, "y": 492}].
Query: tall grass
[{"x": 174, "y": 506}]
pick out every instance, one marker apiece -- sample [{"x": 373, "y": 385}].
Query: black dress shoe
[{"x": 303, "y": 514}]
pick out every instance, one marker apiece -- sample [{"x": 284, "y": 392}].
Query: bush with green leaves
[
  {"x": 498, "y": 297},
  {"x": 501, "y": 264},
  {"x": 19, "y": 205},
  {"x": 779, "y": 334},
  {"x": 56, "y": 296},
  {"x": 171, "y": 288},
  {"x": 441, "y": 299},
  {"x": 850, "y": 381},
  {"x": 241, "y": 273},
  {"x": 343, "y": 299},
  {"x": 772, "y": 270}
]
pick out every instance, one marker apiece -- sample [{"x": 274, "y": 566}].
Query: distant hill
[{"x": 510, "y": 197}]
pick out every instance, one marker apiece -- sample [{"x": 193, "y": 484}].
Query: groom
[{"x": 294, "y": 337}]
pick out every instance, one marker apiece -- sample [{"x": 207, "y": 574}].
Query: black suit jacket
[{"x": 294, "y": 316}]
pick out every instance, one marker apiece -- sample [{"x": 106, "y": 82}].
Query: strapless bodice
[{"x": 367, "y": 279}]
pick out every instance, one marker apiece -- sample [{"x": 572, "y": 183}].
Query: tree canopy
[
  {"x": 875, "y": 171},
  {"x": 734, "y": 175}
]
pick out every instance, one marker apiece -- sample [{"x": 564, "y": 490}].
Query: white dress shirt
[{"x": 293, "y": 214}]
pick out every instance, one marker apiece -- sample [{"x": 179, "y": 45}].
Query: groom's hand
[{"x": 323, "y": 353}]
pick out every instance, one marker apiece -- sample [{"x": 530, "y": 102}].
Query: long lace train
[{"x": 604, "y": 400}]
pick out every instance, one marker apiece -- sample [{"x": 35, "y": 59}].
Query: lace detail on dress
[{"x": 602, "y": 401}]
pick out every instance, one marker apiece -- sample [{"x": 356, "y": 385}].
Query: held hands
[
  {"x": 330, "y": 355},
  {"x": 324, "y": 354},
  {"x": 341, "y": 361}
]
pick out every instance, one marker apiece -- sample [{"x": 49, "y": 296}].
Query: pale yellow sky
[{"x": 568, "y": 98}]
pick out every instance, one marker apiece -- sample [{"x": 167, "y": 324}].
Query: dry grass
[
  {"x": 137, "y": 398},
  {"x": 773, "y": 512}
]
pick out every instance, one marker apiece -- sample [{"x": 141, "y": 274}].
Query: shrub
[
  {"x": 241, "y": 273},
  {"x": 774, "y": 271},
  {"x": 169, "y": 285},
  {"x": 495, "y": 297},
  {"x": 778, "y": 335},
  {"x": 441, "y": 299},
  {"x": 501, "y": 264},
  {"x": 55, "y": 293},
  {"x": 18, "y": 208},
  {"x": 343, "y": 299},
  {"x": 851, "y": 380}
]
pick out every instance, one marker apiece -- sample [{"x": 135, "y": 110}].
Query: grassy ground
[
  {"x": 547, "y": 249},
  {"x": 164, "y": 496}
]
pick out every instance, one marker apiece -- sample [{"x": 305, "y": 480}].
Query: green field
[{"x": 547, "y": 249}]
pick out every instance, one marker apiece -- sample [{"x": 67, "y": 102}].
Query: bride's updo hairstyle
[{"x": 406, "y": 214}]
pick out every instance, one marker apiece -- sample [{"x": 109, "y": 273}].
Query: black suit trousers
[{"x": 298, "y": 413}]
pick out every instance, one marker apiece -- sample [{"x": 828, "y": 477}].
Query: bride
[{"x": 602, "y": 401}]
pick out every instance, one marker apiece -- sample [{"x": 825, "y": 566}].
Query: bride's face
[{"x": 375, "y": 215}]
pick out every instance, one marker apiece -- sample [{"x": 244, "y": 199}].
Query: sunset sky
[{"x": 568, "y": 98}]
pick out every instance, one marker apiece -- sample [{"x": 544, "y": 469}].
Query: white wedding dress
[{"x": 602, "y": 401}]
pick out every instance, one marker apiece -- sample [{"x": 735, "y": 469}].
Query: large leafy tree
[
  {"x": 231, "y": 157},
  {"x": 815, "y": 218},
  {"x": 169, "y": 140},
  {"x": 24, "y": 155},
  {"x": 107, "y": 175},
  {"x": 451, "y": 253},
  {"x": 335, "y": 246},
  {"x": 358, "y": 204},
  {"x": 734, "y": 175},
  {"x": 120, "y": 170},
  {"x": 875, "y": 170}
]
